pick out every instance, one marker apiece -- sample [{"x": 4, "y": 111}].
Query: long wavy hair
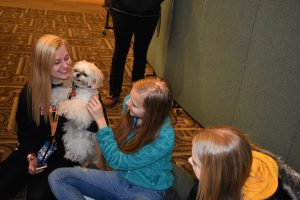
[
  {"x": 225, "y": 159},
  {"x": 42, "y": 61},
  {"x": 157, "y": 104}
]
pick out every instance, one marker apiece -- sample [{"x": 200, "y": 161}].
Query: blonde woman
[
  {"x": 138, "y": 151},
  {"x": 228, "y": 168},
  {"x": 38, "y": 129}
]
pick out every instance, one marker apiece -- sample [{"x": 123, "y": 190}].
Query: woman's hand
[
  {"x": 32, "y": 165},
  {"x": 96, "y": 110}
]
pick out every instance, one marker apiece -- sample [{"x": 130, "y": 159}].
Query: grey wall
[
  {"x": 159, "y": 45},
  {"x": 236, "y": 62}
]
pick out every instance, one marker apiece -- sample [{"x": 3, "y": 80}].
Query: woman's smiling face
[{"x": 61, "y": 69}]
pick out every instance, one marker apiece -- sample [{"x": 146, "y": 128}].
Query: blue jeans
[{"x": 76, "y": 182}]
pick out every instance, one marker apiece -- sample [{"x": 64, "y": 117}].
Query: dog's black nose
[{"x": 77, "y": 75}]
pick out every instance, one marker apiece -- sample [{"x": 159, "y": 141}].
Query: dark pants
[
  {"x": 14, "y": 177},
  {"x": 13, "y": 174},
  {"x": 125, "y": 26}
]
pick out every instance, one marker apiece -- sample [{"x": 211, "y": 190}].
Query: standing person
[
  {"x": 130, "y": 17},
  {"x": 50, "y": 67},
  {"x": 138, "y": 152},
  {"x": 228, "y": 168}
]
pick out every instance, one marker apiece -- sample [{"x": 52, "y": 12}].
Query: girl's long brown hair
[
  {"x": 43, "y": 59},
  {"x": 157, "y": 104},
  {"x": 225, "y": 157}
]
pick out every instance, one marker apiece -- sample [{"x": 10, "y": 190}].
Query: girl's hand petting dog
[{"x": 96, "y": 110}]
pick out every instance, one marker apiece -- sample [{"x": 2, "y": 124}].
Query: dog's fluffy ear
[{"x": 98, "y": 77}]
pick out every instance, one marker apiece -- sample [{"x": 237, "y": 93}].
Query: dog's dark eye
[
  {"x": 84, "y": 74},
  {"x": 75, "y": 70}
]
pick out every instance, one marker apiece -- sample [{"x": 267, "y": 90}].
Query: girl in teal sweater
[{"x": 138, "y": 151}]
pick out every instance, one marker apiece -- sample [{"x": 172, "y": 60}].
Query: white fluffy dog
[{"x": 80, "y": 144}]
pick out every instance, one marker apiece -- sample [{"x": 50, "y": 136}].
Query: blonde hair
[
  {"x": 225, "y": 157},
  {"x": 43, "y": 59},
  {"x": 157, "y": 104}
]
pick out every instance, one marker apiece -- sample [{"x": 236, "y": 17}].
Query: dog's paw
[
  {"x": 75, "y": 158},
  {"x": 76, "y": 111},
  {"x": 64, "y": 109},
  {"x": 70, "y": 156},
  {"x": 59, "y": 94}
]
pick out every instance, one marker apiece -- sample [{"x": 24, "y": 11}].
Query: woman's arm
[
  {"x": 104, "y": 110},
  {"x": 96, "y": 110},
  {"x": 24, "y": 124},
  {"x": 25, "y": 134},
  {"x": 94, "y": 127}
]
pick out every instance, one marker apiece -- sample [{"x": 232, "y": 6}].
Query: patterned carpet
[{"x": 21, "y": 27}]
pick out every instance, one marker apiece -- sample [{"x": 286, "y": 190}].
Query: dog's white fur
[{"x": 80, "y": 144}]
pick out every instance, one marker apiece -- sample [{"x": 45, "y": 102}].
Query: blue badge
[{"x": 45, "y": 152}]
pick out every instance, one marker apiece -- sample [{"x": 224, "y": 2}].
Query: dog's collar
[
  {"x": 72, "y": 94},
  {"x": 73, "y": 91}
]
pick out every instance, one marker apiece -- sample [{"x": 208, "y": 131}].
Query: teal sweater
[{"x": 150, "y": 167}]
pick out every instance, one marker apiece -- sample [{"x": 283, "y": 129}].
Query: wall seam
[
  {"x": 293, "y": 142},
  {"x": 246, "y": 58}
]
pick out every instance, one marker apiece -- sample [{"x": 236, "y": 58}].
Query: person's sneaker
[{"x": 110, "y": 101}]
